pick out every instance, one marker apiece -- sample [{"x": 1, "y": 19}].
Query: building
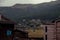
[
  {"x": 20, "y": 35},
  {"x": 52, "y": 30},
  {"x": 6, "y": 28},
  {"x": 49, "y": 31},
  {"x": 57, "y": 25},
  {"x": 35, "y": 34}
]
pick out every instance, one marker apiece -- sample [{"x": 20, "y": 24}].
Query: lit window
[{"x": 9, "y": 32}]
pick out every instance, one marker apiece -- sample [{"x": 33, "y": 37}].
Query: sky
[{"x": 12, "y": 2}]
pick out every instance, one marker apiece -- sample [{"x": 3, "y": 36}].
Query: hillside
[{"x": 44, "y": 11}]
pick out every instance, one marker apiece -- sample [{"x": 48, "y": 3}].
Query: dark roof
[
  {"x": 56, "y": 19},
  {"x": 6, "y": 20},
  {"x": 20, "y": 31},
  {"x": 48, "y": 23}
]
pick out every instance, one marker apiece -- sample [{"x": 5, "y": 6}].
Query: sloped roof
[
  {"x": 57, "y": 19},
  {"x": 5, "y": 20},
  {"x": 24, "y": 34}
]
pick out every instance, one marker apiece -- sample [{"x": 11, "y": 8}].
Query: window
[
  {"x": 46, "y": 29},
  {"x": 45, "y": 37},
  {"x": 8, "y": 32}
]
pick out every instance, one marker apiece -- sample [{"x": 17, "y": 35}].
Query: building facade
[
  {"x": 52, "y": 30},
  {"x": 6, "y": 28},
  {"x": 20, "y": 35},
  {"x": 49, "y": 31}
]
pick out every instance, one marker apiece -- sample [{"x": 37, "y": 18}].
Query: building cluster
[
  {"x": 33, "y": 29},
  {"x": 26, "y": 24},
  {"x": 7, "y": 31},
  {"x": 49, "y": 30}
]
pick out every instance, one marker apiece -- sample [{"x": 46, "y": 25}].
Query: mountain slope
[{"x": 44, "y": 11}]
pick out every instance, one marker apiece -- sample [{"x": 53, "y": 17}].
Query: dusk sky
[{"x": 12, "y": 2}]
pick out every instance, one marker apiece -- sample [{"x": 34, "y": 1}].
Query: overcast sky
[{"x": 12, "y": 2}]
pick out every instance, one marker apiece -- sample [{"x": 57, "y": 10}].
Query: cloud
[
  {"x": 1, "y": 1},
  {"x": 12, "y": 2}
]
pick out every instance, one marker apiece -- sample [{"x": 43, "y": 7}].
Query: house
[
  {"x": 20, "y": 35},
  {"x": 35, "y": 34},
  {"x": 57, "y": 26},
  {"x": 49, "y": 31},
  {"x": 6, "y": 28},
  {"x": 52, "y": 30}
]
